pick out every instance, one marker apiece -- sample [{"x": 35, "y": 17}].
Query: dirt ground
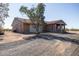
[
  {"x": 11, "y": 37},
  {"x": 49, "y": 44},
  {"x": 77, "y": 32}
]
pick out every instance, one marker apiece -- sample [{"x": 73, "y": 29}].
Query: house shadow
[{"x": 55, "y": 37}]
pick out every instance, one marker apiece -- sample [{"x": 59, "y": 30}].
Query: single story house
[{"x": 25, "y": 26}]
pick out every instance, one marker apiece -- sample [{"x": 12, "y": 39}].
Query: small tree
[
  {"x": 3, "y": 14},
  {"x": 36, "y": 15}
]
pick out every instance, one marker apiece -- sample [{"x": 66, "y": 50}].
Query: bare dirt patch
[
  {"x": 76, "y": 32},
  {"x": 11, "y": 37}
]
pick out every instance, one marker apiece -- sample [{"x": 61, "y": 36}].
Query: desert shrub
[
  {"x": 7, "y": 30},
  {"x": 14, "y": 31},
  {"x": 74, "y": 29},
  {"x": 1, "y": 33}
]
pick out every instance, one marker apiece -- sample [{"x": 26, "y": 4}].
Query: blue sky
[{"x": 69, "y": 12}]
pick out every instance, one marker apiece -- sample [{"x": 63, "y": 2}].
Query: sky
[{"x": 68, "y": 12}]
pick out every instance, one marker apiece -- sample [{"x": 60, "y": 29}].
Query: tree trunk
[{"x": 37, "y": 28}]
